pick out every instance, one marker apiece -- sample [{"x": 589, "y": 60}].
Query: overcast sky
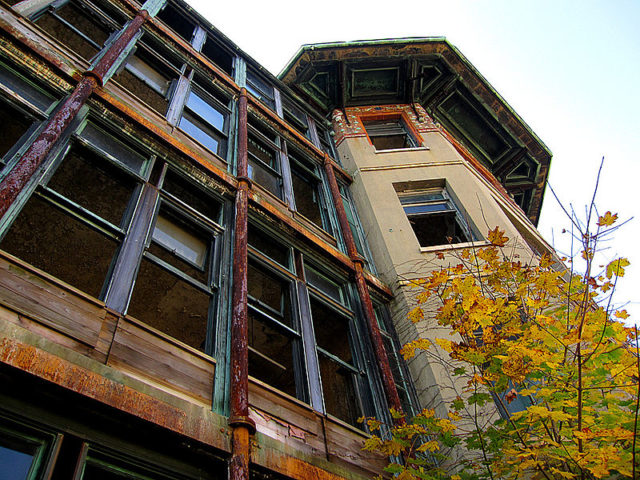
[{"x": 569, "y": 68}]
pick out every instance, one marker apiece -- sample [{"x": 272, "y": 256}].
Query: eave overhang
[{"x": 432, "y": 72}]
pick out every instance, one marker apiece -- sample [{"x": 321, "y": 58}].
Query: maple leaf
[
  {"x": 497, "y": 237},
  {"x": 617, "y": 267},
  {"x": 622, "y": 314},
  {"x": 511, "y": 396},
  {"x": 607, "y": 219}
]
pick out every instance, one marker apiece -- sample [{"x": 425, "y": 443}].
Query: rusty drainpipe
[
  {"x": 19, "y": 176},
  {"x": 393, "y": 399},
  {"x": 242, "y": 426}
]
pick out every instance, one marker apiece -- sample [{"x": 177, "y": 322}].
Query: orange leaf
[
  {"x": 497, "y": 237},
  {"x": 607, "y": 219}
]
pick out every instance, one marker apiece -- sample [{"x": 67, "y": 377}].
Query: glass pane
[
  {"x": 114, "y": 147},
  {"x": 200, "y": 131},
  {"x": 206, "y": 111},
  {"x": 339, "y": 393},
  {"x": 192, "y": 196},
  {"x": 322, "y": 283},
  {"x": 25, "y": 88},
  {"x": 148, "y": 74},
  {"x": 60, "y": 245},
  {"x": 270, "y": 292},
  {"x": 93, "y": 183},
  {"x": 427, "y": 208},
  {"x": 168, "y": 303},
  {"x": 201, "y": 275},
  {"x": 332, "y": 331},
  {"x": 14, "y": 125},
  {"x": 182, "y": 241},
  {"x": 15, "y": 462},
  {"x": 269, "y": 247},
  {"x": 270, "y": 355},
  {"x": 265, "y": 178},
  {"x": 143, "y": 91}
]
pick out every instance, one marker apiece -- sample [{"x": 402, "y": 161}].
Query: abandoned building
[{"x": 204, "y": 268}]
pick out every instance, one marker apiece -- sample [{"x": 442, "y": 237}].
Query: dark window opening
[
  {"x": 337, "y": 370},
  {"x": 148, "y": 78},
  {"x": 218, "y": 55},
  {"x": 77, "y": 27},
  {"x": 269, "y": 247},
  {"x": 14, "y": 125},
  {"x": 170, "y": 304},
  {"x": 178, "y": 21},
  {"x": 270, "y": 294},
  {"x": 186, "y": 192},
  {"x": 389, "y": 134},
  {"x": 43, "y": 234},
  {"x": 356, "y": 227},
  {"x": 307, "y": 190},
  {"x": 94, "y": 184},
  {"x": 435, "y": 219}
]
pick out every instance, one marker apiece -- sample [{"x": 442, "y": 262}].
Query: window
[
  {"x": 177, "y": 282},
  {"x": 265, "y": 158},
  {"x": 261, "y": 89},
  {"x": 205, "y": 117},
  {"x": 326, "y": 142},
  {"x": 435, "y": 218},
  {"x": 303, "y": 336},
  {"x": 149, "y": 74},
  {"x": 81, "y": 26},
  {"x": 399, "y": 371},
  {"x": 389, "y": 134},
  {"x": 308, "y": 190},
  {"x": 295, "y": 117},
  {"x": 356, "y": 227},
  {"x": 23, "y": 105},
  {"x": 80, "y": 210},
  {"x": 24, "y": 451}
]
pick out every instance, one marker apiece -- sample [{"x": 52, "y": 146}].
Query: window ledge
[
  {"x": 455, "y": 246},
  {"x": 411, "y": 149}
]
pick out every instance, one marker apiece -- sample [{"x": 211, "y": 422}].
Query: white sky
[{"x": 570, "y": 68}]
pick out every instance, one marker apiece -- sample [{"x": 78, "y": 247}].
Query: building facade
[{"x": 203, "y": 266}]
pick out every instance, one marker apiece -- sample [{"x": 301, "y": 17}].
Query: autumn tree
[{"x": 543, "y": 343}]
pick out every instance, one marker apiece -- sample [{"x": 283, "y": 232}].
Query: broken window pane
[
  {"x": 388, "y": 134},
  {"x": 114, "y": 147},
  {"x": 270, "y": 294},
  {"x": 192, "y": 195},
  {"x": 93, "y": 183},
  {"x": 332, "y": 331},
  {"x": 295, "y": 117},
  {"x": 178, "y": 21},
  {"x": 170, "y": 304},
  {"x": 24, "y": 88},
  {"x": 181, "y": 241},
  {"x": 307, "y": 190},
  {"x": 262, "y": 156},
  {"x": 270, "y": 355},
  {"x": 340, "y": 398},
  {"x": 75, "y": 26},
  {"x": 260, "y": 89},
  {"x": 14, "y": 125},
  {"x": 42, "y": 235},
  {"x": 217, "y": 54},
  {"x": 434, "y": 218},
  {"x": 267, "y": 246}
]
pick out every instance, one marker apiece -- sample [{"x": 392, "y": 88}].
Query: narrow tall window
[
  {"x": 389, "y": 134},
  {"x": 264, "y": 159},
  {"x": 177, "y": 283},
  {"x": 295, "y": 117},
  {"x": 308, "y": 191},
  {"x": 435, "y": 218},
  {"x": 205, "y": 117},
  {"x": 261, "y": 89}
]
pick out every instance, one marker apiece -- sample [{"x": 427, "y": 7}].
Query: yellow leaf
[
  {"x": 607, "y": 219},
  {"x": 617, "y": 267},
  {"x": 497, "y": 237},
  {"x": 445, "y": 344},
  {"x": 622, "y": 314},
  {"x": 416, "y": 315}
]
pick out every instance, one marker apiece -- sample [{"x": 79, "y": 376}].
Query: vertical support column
[
  {"x": 24, "y": 169},
  {"x": 388, "y": 383},
  {"x": 242, "y": 426}
]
